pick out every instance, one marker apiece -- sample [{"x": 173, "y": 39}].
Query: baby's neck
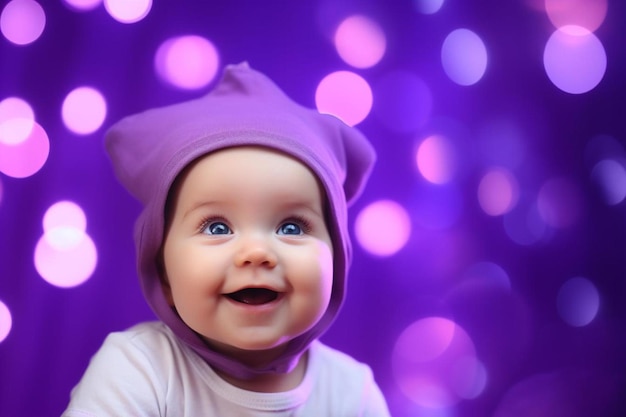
[{"x": 271, "y": 382}]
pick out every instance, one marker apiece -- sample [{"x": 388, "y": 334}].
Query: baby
[{"x": 243, "y": 251}]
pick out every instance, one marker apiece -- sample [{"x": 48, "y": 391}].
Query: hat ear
[{"x": 360, "y": 157}]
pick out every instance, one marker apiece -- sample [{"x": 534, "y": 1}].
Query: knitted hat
[{"x": 148, "y": 150}]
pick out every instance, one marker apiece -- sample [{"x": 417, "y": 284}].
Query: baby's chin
[{"x": 251, "y": 354}]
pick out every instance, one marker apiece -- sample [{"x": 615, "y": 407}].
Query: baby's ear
[
  {"x": 167, "y": 292},
  {"x": 360, "y": 158},
  {"x": 164, "y": 281}
]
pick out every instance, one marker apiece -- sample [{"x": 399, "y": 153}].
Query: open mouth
[{"x": 253, "y": 296}]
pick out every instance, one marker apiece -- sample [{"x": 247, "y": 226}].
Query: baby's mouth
[{"x": 253, "y": 296}]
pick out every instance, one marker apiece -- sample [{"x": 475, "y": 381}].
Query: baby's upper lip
[
  {"x": 261, "y": 283},
  {"x": 253, "y": 287}
]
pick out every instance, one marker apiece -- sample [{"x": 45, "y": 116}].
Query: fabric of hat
[{"x": 148, "y": 150}]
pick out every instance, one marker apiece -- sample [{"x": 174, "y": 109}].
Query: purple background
[{"x": 519, "y": 335}]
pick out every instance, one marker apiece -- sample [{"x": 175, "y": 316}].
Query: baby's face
[{"x": 248, "y": 257}]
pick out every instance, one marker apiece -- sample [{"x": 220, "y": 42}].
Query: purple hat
[{"x": 150, "y": 149}]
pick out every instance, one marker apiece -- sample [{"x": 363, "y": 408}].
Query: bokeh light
[
  {"x": 16, "y": 120},
  {"x": 84, "y": 110},
  {"x": 128, "y": 11},
  {"x": 574, "y": 59},
  {"x": 426, "y": 339},
  {"x": 403, "y": 101},
  {"x": 188, "y": 62},
  {"x": 498, "y": 192},
  {"x": 27, "y": 157},
  {"x": 488, "y": 273},
  {"x": 64, "y": 225},
  {"x": 436, "y": 159},
  {"x": 360, "y": 41},
  {"x": 469, "y": 378},
  {"x": 345, "y": 95},
  {"x": 464, "y": 57},
  {"x": 428, "y": 6},
  {"x": 578, "y": 302},
  {"x": 524, "y": 225},
  {"x": 560, "y": 203},
  {"x": 605, "y": 157},
  {"x": 65, "y": 256},
  {"x": 610, "y": 177},
  {"x": 383, "y": 228},
  {"x": 499, "y": 317},
  {"x": 435, "y": 365},
  {"x": 584, "y": 13},
  {"x": 63, "y": 238},
  {"x": 538, "y": 395},
  {"x": 64, "y": 214},
  {"x": 6, "y": 321},
  {"x": 602, "y": 147},
  {"x": 83, "y": 5},
  {"x": 569, "y": 391},
  {"x": 22, "y": 21}
]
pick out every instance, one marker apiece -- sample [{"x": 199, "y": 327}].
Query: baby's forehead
[
  {"x": 248, "y": 171},
  {"x": 240, "y": 151},
  {"x": 242, "y": 160}
]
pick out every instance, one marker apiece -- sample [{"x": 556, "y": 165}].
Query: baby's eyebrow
[
  {"x": 199, "y": 205},
  {"x": 308, "y": 206}
]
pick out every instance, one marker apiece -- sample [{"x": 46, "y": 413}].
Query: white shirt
[{"x": 147, "y": 371}]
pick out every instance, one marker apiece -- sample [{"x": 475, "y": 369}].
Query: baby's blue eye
[
  {"x": 217, "y": 228},
  {"x": 289, "y": 229}
]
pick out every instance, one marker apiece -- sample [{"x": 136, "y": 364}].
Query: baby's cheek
[{"x": 325, "y": 257}]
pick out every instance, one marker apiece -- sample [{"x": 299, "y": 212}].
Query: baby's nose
[{"x": 256, "y": 253}]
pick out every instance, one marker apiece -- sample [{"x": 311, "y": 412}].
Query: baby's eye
[
  {"x": 216, "y": 228},
  {"x": 290, "y": 228},
  {"x": 294, "y": 227}
]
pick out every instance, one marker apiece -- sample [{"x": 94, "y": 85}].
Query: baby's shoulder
[
  {"x": 343, "y": 385},
  {"x": 149, "y": 331},
  {"x": 336, "y": 365},
  {"x": 150, "y": 339}
]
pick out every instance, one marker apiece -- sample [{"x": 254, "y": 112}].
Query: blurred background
[{"x": 489, "y": 275}]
